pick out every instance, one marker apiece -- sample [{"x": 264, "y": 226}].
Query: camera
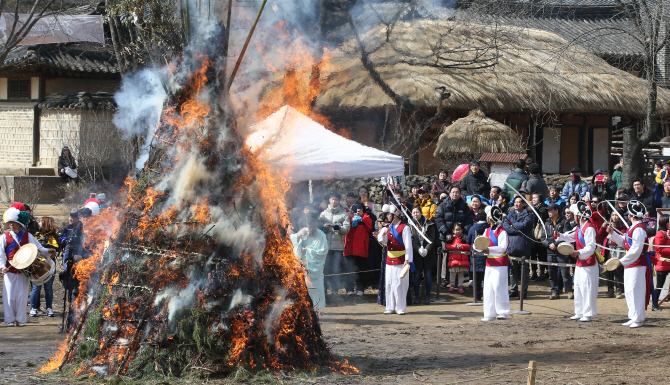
[
  {"x": 337, "y": 226},
  {"x": 600, "y": 179}
]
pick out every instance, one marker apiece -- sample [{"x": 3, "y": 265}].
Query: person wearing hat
[
  {"x": 602, "y": 186},
  {"x": 637, "y": 271},
  {"x": 496, "y": 298},
  {"x": 15, "y": 283},
  {"x": 311, "y": 246},
  {"x": 425, "y": 203},
  {"x": 397, "y": 237},
  {"x": 587, "y": 270},
  {"x": 575, "y": 185},
  {"x": 556, "y": 223}
]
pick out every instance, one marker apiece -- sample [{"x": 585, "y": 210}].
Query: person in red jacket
[
  {"x": 356, "y": 247},
  {"x": 458, "y": 263},
  {"x": 662, "y": 258}
]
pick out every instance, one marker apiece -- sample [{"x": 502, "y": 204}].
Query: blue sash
[
  {"x": 14, "y": 244},
  {"x": 395, "y": 234},
  {"x": 492, "y": 237},
  {"x": 581, "y": 236}
]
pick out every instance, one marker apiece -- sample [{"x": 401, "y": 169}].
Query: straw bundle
[
  {"x": 476, "y": 134},
  {"x": 536, "y": 71}
]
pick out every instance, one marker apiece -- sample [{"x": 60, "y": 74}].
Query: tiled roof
[
  {"x": 72, "y": 100},
  {"x": 74, "y": 57},
  {"x": 501, "y": 157}
]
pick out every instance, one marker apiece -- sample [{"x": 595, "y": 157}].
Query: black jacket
[
  {"x": 516, "y": 223},
  {"x": 604, "y": 191},
  {"x": 430, "y": 260},
  {"x": 647, "y": 198},
  {"x": 66, "y": 161},
  {"x": 549, "y": 227},
  {"x": 470, "y": 181},
  {"x": 449, "y": 213}
]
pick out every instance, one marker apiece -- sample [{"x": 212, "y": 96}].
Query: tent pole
[{"x": 311, "y": 197}]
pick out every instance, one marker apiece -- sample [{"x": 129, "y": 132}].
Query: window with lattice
[{"x": 18, "y": 88}]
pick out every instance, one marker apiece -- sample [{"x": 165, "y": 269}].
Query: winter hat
[
  {"x": 19, "y": 206},
  {"x": 355, "y": 208},
  {"x": 636, "y": 209},
  {"x": 15, "y": 215}
]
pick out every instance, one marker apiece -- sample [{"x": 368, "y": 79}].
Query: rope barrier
[{"x": 353, "y": 272}]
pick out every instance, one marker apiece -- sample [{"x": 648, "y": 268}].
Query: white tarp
[
  {"x": 56, "y": 29},
  {"x": 305, "y": 150}
]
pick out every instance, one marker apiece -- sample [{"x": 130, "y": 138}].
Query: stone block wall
[
  {"x": 16, "y": 136},
  {"x": 58, "y": 128}
]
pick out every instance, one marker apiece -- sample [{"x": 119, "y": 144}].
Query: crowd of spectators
[{"x": 452, "y": 215}]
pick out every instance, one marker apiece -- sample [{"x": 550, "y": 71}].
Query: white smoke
[{"x": 140, "y": 103}]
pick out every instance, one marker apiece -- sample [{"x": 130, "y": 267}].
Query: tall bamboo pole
[{"x": 246, "y": 44}]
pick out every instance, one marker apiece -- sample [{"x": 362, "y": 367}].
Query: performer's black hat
[{"x": 637, "y": 209}]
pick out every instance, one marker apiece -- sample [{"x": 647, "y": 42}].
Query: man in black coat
[
  {"x": 645, "y": 196},
  {"x": 556, "y": 223},
  {"x": 519, "y": 227},
  {"x": 453, "y": 210},
  {"x": 475, "y": 176}
]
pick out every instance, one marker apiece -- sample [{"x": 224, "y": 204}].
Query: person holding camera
[
  {"x": 47, "y": 237},
  {"x": 72, "y": 239},
  {"x": 15, "y": 283},
  {"x": 336, "y": 226},
  {"x": 603, "y": 186}
]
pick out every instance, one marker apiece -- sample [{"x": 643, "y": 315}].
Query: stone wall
[
  {"x": 16, "y": 135},
  {"x": 58, "y": 128}
]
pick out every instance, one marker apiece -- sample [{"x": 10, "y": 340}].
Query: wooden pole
[
  {"x": 532, "y": 370},
  {"x": 246, "y": 44}
]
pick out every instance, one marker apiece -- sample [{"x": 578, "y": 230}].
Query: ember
[{"x": 197, "y": 270}]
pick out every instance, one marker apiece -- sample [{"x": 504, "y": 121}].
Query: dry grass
[
  {"x": 536, "y": 71},
  {"x": 476, "y": 134}
]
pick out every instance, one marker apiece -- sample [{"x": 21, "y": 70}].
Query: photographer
[
  {"x": 336, "y": 226},
  {"x": 602, "y": 186},
  {"x": 71, "y": 239}
]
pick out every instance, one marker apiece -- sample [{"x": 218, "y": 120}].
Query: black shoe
[
  {"x": 533, "y": 278},
  {"x": 514, "y": 294},
  {"x": 541, "y": 278}
]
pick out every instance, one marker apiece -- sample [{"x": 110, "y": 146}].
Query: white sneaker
[
  {"x": 627, "y": 323},
  {"x": 576, "y": 316},
  {"x": 50, "y": 313},
  {"x": 22, "y": 324},
  {"x": 400, "y": 312},
  {"x": 359, "y": 293},
  {"x": 585, "y": 319},
  {"x": 10, "y": 324},
  {"x": 350, "y": 293},
  {"x": 487, "y": 319},
  {"x": 501, "y": 317},
  {"x": 33, "y": 312},
  {"x": 388, "y": 312},
  {"x": 636, "y": 325}
]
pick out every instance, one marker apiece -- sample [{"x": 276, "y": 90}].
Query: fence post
[
  {"x": 475, "y": 284},
  {"x": 521, "y": 289},
  {"x": 532, "y": 370}
]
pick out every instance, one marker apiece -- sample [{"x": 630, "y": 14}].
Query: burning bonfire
[{"x": 195, "y": 270}]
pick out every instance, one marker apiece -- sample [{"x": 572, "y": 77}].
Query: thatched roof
[
  {"x": 476, "y": 134},
  {"x": 538, "y": 71}
]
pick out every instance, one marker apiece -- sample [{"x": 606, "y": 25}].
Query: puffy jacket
[
  {"x": 357, "y": 241},
  {"x": 661, "y": 198},
  {"x": 647, "y": 198},
  {"x": 606, "y": 191},
  {"x": 335, "y": 216},
  {"x": 449, "y": 213},
  {"x": 476, "y": 230},
  {"x": 559, "y": 201},
  {"x": 470, "y": 181},
  {"x": 430, "y": 260},
  {"x": 428, "y": 207},
  {"x": 582, "y": 188},
  {"x": 458, "y": 260},
  {"x": 516, "y": 180},
  {"x": 519, "y": 222},
  {"x": 617, "y": 177},
  {"x": 536, "y": 184},
  {"x": 549, "y": 227}
]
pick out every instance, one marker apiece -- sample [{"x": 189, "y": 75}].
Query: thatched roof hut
[
  {"x": 536, "y": 71},
  {"x": 476, "y": 134}
]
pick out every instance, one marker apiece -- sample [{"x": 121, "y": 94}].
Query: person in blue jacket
[
  {"x": 478, "y": 261},
  {"x": 554, "y": 198},
  {"x": 576, "y": 184},
  {"x": 519, "y": 227}
]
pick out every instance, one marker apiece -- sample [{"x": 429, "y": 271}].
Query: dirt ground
[{"x": 440, "y": 343}]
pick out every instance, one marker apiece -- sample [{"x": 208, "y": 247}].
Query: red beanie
[{"x": 19, "y": 206}]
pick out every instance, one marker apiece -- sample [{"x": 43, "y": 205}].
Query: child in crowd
[{"x": 459, "y": 264}]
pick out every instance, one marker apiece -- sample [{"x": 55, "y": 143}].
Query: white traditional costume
[
  {"x": 314, "y": 259},
  {"x": 587, "y": 270},
  {"x": 398, "y": 241},
  {"x": 15, "y": 284},
  {"x": 496, "y": 275},
  {"x": 636, "y": 274}
]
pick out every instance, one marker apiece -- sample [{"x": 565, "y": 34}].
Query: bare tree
[{"x": 19, "y": 28}]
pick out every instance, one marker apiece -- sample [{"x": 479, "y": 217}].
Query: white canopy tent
[{"x": 305, "y": 150}]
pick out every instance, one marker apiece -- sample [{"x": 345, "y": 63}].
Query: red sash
[
  {"x": 628, "y": 243},
  {"x": 395, "y": 245},
  {"x": 12, "y": 247},
  {"x": 580, "y": 243}
]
